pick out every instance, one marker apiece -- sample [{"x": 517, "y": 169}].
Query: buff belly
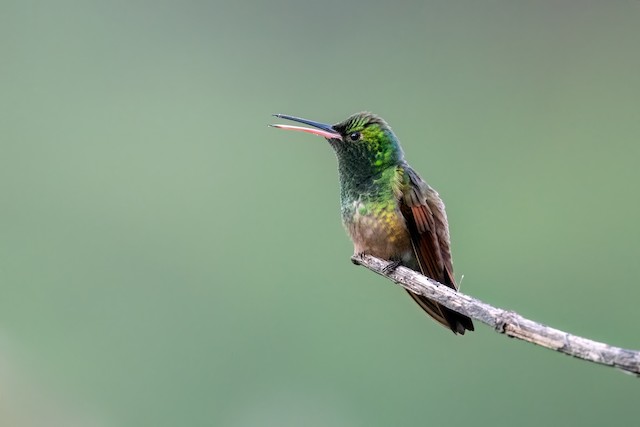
[{"x": 382, "y": 234}]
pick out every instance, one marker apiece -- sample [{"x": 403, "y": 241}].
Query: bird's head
[{"x": 363, "y": 141}]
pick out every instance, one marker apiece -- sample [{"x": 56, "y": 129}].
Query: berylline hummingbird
[{"x": 388, "y": 210}]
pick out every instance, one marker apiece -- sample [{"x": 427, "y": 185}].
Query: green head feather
[{"x": 368, "y": 147}]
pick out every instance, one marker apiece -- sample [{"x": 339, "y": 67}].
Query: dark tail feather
[{"x": 458, "y": 323}]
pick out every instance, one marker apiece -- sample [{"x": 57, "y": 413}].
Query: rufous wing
[{"x": 426, "y": 220}]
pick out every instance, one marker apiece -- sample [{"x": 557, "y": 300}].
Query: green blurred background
[{"x": 167, "y": 259}]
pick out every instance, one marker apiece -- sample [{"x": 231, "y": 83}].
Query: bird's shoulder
[{"x": 415, "y": 190}]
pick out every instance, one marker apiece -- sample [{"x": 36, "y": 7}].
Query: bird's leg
[{"x": 390, "y": 268}]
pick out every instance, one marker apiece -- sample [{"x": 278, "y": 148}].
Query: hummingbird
[{"x": 387, "y": 209}]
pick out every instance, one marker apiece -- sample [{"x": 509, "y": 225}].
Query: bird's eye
[{"x": 354, "y": 136}]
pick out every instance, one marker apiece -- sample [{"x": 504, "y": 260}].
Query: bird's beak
[{"x": 322, "y": 129}]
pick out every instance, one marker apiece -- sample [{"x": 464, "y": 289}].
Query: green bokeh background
[{"x": 167, "y": 259}]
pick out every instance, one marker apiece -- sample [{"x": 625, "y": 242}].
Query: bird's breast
[{"x": 378, "y": 229}]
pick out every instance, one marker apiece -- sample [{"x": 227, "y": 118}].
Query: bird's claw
[
  {"x": 356, "y": 257},
  {"x": 390, "y": 268}
]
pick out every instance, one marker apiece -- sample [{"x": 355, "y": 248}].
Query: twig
[{"x": 507, "y": 322}]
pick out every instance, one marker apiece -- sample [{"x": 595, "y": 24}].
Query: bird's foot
[
  {"x": 357, "y": 257},
  {"x": 391, "y": 267}
]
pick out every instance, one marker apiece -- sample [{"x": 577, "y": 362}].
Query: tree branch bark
[{"x": 504, "y": 321}]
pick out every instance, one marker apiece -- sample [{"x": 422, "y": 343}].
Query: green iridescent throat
[{"x": 367, "y": 167}]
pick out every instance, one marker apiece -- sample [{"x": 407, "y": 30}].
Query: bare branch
[{"x": 507, "y": 322}]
